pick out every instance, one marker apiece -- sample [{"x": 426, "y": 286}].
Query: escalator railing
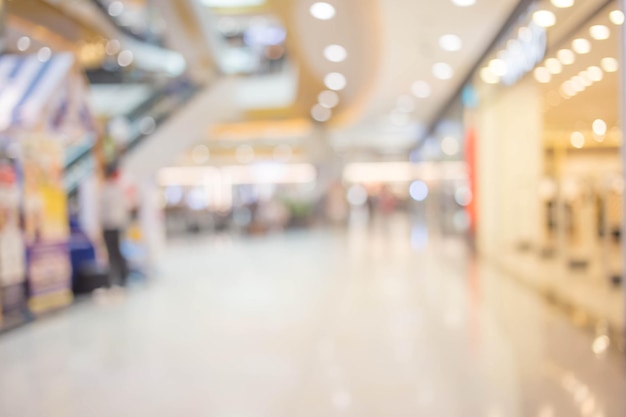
[{"x": 143, "y": 121}]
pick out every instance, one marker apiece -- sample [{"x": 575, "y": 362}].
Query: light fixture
[
  {"x": 335, "y": 53},
  {"x": 125, "y": 58},
  {"x": 418, "y": 190},
  {"x": 587, "y": 81},
  {"x": 578, "y": 83},
  {"x": 577, "y": 140},
  {"x": 443, "y": 71},
  {"x": 244, "y": 154},
  {"x": 487, "y": 75},
  {"x": 113, "y": 47},
  {"x": 599, "y": 32},
  {"x": 595, "y": 73},
  {"x": 335, "y": 81},
  {"x": 566, "y": 56},
  {"x": 599, "y": 127},
  {"x": 498, "y": 67},
  {"x": 544, "y": 18},
  {"x": 23, "y": 43},
  {"x": 450, "y": 43},
  {"x": 542, "y": 75},
  {"x": 581, "y": 46},
  {"x": 328, "y": 99},
  {"x": 464, "y": 3},
  {"x": 116, "y": 8},
  {"x": 44, "y": 54},
  {"x": 421, "y": 89},
  {"x": 617, "y": 17},
  {"x": 450, "y": 146},
  {"x": 322, "y": 11},
  {"x": 554, "y": 66},
  {"x": 610, "y": 64},
  {"x": 562, "y": 4},
  {"x": 568, "y": 89},
  {"x": 320, "y": 113}
]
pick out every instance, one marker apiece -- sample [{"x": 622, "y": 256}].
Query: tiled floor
[{"x": 326, "y": 323}]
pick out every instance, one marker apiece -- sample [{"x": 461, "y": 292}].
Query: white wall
[{"x": 510, "y": 166}]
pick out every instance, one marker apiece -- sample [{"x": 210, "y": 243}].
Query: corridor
[{"x": 382, "y": 321}]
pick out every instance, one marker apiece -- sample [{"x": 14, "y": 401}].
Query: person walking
[{"x": 114, "y": 219}]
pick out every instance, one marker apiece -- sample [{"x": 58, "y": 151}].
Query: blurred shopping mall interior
[{"x": 307, "y": 208}]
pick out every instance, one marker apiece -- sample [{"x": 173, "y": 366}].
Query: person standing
[{"x": 113, "y": 220}]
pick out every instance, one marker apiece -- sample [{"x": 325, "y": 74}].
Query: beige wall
[{"x": 510, "y": 166}]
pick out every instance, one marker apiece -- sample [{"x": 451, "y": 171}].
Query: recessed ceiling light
[
  {"x": 586, "y": 78},
  {"x": 464, "y": 3},
  {"x": 443, "y": 71},
  {"x": 581, "y": 46},
  {"x": 487, "y": 75},
  {"x": 322, "y": 11},
  {"x": 568, "y": 89},
  {"x": 562, "y": 4},
  {"x": 116, "y": 8},
  {"x": 335, "y": 53},
  {"x": 328, "y": 99},
  {"x": 335, "y": 81},
  {"x": 595, "y": 73},
  {"x": 498, "y": 67},
  {"x": 578, "y": 83},
  {"x": 577, "y": 140},
  {"x": 554, "y": 66},
  {"x": 125, "y": 58},
  {"x": 599, "y": 32},
  {"x": 599, "y": 127},
  {"x": 44, "y": 54},
  {"x": 609, "y": 64},
  {"x": 544, "y": 18},
  {"x": 542, "y": 75},
  {"x": 450, "y": 43},
  {"x": 566, "y": 56},
  {"x": 23, "y": 43},
  {"x": 421, "y": 89},
  {"x": 232, "y": 3},
  {"x": 617, "y": 17},
  {"x": 321, "y": 113}
]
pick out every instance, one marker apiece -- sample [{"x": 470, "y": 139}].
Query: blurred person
[
  {"x": 336, "y": 205},
  {"x": 114, "y": 217}
]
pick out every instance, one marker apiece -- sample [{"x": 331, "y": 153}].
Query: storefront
[
  {"x": 549, "y": 180},
  {"x": 43, "y": 121}
]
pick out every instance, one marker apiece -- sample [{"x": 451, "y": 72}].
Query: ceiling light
[
  {"x": 335, "y": 81},
  {"x": 335, "y": 53},
  {"x": 450, "y": 43},
  {"x": 116, "y": 8},
  {"x": 125, "y": 58},
  {"x": 421, "y": 89},
  {"x": 599, "y": 32},
  {"x": 244, "y": 154},
  {"x": 23, "y": 43},
  {"x": 617, "y": 17},
  {"x": 578, "y": 83},
  {"x": 554, "y": 66},
  {"x": 562, "y": 4},
  {"x": 542, "y": 75},
  {"x": 322, "y": 11},
  {"x": 443, "y": 71},
  {"x": 112, "y": 47},
  {"x": 586, "y": 78},
  {"x": 464, "y": 3},
  {"x": 487, "y": 75},
  {"x": 609, "y": 64},
  {"x": 450, "y": 146},
  {"x": 321, "y": 113},
  {"x": 581, "y": 46},
  {"x": 498, "y": 67},
  {"x": 595, "y": 73},
  {"x": 568, "y": 89},
  {"x": 328, "y": 99},
  {"x": 566, "y": 56},
  {"x": 44, "y": 54},
  {"x": 577, "y": 140},
  {"x": 544, "y": 18},
  {"x": 599, "y": 127},
  {"x": 232, "y": 3}
]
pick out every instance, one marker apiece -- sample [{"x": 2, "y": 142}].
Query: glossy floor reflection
[{"x": 367, "y": 323}]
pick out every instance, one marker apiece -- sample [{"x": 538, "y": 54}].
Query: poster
[
  {"x": 46, "y": 225},
  {"x": 12, "y": 249}
]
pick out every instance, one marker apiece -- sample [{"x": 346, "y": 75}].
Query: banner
[{"x": 46, "y": 224}]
